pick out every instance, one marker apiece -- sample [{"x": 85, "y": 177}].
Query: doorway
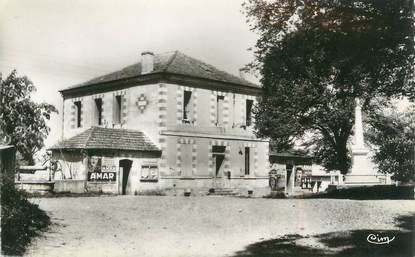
[
  {"x": 126, "y": 167},
  {"x": 218, "y": 153}
]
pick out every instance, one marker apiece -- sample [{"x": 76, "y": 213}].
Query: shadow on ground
[{"x": 341, "y": 244}]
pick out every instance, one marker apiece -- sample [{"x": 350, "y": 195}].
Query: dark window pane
[
  {"x": 78, "y": 106},
  {"x": 218, "y": 149},
  {"x": 249, "y": 104},
  {"x": 98, "y": 110},
  {"x": 186, "y": 101},
  {"x": 247, "y": 160}
]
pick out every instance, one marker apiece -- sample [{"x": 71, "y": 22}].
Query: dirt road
[{"x": 196, "y": 226}]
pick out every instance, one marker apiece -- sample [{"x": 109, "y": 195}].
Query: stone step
[{"x": 223, "y": 191}]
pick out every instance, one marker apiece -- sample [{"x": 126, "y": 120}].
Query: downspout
[{"x": 63, "y": 117}]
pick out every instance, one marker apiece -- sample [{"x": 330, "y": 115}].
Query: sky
[{"x": 61, "y": 43}]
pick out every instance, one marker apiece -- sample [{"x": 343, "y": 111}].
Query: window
[
  {"x": 219, "y": 109},
  {"x": 98, "y": 111},
  {"x": 186, "y": 106},
  {"x": 117, "y": 109},
  {"x": 249, "y": 104},
  {"x": 78, "y": 107},
  {"x": 247, "y": 163}
]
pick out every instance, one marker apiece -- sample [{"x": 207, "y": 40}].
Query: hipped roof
[
  {"x": 175, "y": 63},
  {"x": 109, "y": 139}
]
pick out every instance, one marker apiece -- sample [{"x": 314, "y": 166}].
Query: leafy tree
[
  {"x": 316, "y": 57},
  {"x": 21, "y": 119},
  {"x": 394, "y": 137}
]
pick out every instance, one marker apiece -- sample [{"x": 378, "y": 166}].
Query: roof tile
[
  {"x": 174, "y": 63},
  {"x": 108, "y": 138}
]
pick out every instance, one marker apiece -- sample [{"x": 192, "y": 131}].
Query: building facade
[{"x": 169, "y": 123}]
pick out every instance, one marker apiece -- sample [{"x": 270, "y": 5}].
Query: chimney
[
  {"x": 147, "y": 62},
  {"x": 243, "y": 72}
]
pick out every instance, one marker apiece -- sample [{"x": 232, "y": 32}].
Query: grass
[{"x": 20, "y": 220}]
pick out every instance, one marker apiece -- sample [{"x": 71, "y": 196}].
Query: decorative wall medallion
[{"x": 142, "y": 103}]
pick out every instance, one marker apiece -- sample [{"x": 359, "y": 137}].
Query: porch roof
[{"x": 108, "y": 138}]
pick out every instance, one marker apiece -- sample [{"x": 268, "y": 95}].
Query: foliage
[
  {"x": 20, "y": 220},
  {"x": 23, "y": 120},
  {"x": 394, "y": 136},
  {"x": 316, "y": 57}
]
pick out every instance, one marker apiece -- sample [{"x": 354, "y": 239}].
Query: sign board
[
  {"x": 102, "y": 169},
  {"x": 102, "y": 176},
  {"x": 108, "y": 165},
  {"x": 149, "y": 172}
]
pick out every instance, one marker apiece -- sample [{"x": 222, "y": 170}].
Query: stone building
[{"x": 169, "y": 122}]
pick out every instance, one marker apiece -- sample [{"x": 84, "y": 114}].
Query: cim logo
[
  {"x": 101, "y": 176},
  {"x": 379, "y": 240}
]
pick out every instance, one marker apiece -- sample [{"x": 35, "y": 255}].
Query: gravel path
[{"x": 196, "y": 226}]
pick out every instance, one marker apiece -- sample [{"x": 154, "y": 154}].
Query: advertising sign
[
  {"x": 102, "y": 169},
  {"x": 102, "y": 176},
  {"x": 108, "y": 165},
  {"x": 149, "y": 172}
]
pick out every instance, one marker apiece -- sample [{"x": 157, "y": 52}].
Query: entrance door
[
  {"x": 126, "y": 167},
  {"x": 218, "y": 161}
]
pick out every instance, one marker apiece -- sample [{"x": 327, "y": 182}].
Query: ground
[{"x": 215, "y": 226}]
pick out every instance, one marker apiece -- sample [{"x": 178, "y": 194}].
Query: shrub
[
  {"x": 276, "y": 195},
  {"x": 20, "y": 220}
]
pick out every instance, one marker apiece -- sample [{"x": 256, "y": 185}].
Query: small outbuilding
[{"x": 102, "y": 159}]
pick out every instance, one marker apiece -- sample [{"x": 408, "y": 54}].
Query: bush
[
  {"x": 20, "y": 220},
  {"x": 378, "y": 192},
  {"x": 276, "y": 195}
]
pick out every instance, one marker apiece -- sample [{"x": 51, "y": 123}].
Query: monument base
[
  {"x": 363, "y": 170},
  {"x": 367, "y": 179}
]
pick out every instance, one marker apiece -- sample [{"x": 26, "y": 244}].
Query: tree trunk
[{"x": 342, "y": 154}]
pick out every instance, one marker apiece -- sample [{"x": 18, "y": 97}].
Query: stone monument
[{"x": 363, "y": 170}]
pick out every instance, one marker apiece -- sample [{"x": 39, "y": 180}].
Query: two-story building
[{"x": 169, "y": 123}]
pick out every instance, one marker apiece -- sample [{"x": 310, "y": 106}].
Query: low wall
[
  {"x": 107, "y": 188},
  {"x": 72, "y": 186},
  {"x": 82, "y": 186},
  {"x": 201, "y": 186},
  {"x": 37, "y": 175},
  {"x": 41, "y": 187},
  {"x": 169, "y": 186}
]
